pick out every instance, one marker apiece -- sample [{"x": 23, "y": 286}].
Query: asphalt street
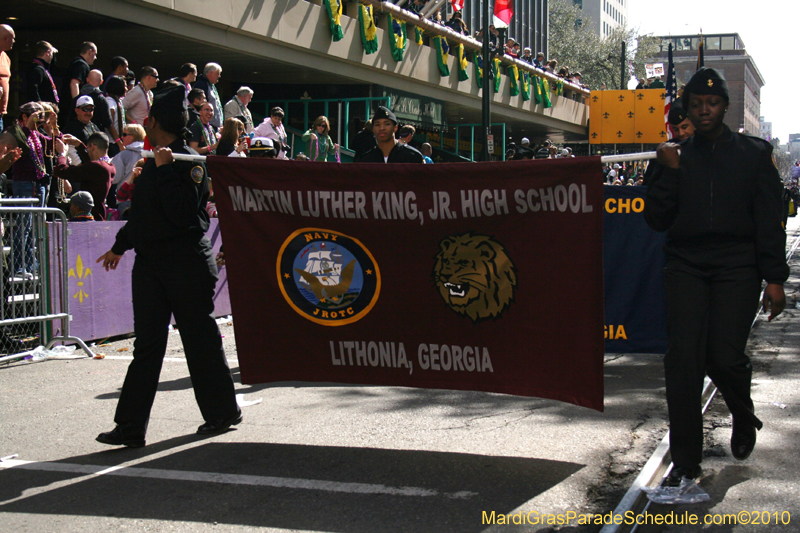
[{"x": 326, "y": 457}]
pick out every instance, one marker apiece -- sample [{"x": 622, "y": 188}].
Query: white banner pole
[
  {"x": 624, "y": 158},
  {"x": 178, "y": 157},
  {"x": 621, "y": 158}
]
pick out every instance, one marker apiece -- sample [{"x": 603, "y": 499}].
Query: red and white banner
[{"x": 482, "y": 276}]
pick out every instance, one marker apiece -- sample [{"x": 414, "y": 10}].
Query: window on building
[{"x": 727, "y": 43}]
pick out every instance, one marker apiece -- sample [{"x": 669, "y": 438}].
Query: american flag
[
  {"x": 458, "y": 5},
  {"x": 671, "y": 92}
]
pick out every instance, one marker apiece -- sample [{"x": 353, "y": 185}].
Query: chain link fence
[{"x": 33, "y": 270}]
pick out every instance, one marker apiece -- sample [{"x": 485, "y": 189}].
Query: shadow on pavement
[{"x": 455, "y": 488}]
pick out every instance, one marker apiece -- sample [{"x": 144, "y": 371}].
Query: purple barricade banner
[
  {"x": 485, "y": 276},
  {"x": 100, "y": 301}
]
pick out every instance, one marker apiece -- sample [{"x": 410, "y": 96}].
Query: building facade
[
  {"x": 605, "y": 15},
  {"x": 793, "y": 146},
  {"x": 726, "y": 53},
  {"x": 528, "y": 26},
  {"x": 766, "y": 130}
]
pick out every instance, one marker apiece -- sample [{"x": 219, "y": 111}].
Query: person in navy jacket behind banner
[
  {"x": 174, "y": 273},
  {"x": 389, "y": 150},
  {"x": 719, "y": 200}
]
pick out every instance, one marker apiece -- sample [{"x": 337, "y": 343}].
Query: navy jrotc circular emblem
[
  {"x": 327, "y": 277},
  {"x": 198, "y": 173}
]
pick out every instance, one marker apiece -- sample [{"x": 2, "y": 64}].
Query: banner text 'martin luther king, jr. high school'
[{"x": 482, "y": 276}]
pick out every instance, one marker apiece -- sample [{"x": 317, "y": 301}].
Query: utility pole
[
  {"x": 623, "y": 83},
  {"x": 486, "y": 115}
]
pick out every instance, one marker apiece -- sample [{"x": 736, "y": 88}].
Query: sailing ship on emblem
[
  {"x": 325, "y": 265},
  {"x": 326, "y": 276}
]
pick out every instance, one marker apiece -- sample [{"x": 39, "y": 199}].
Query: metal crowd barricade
[{"x": 34, "y": 274}]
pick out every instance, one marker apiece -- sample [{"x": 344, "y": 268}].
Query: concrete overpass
[{"x": 271, "y": 44}]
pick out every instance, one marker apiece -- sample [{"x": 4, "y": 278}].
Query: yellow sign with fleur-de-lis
[{"x": 80, "y": 274}]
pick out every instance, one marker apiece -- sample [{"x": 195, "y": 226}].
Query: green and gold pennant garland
[
  {"x": 546, "y": 93},
  {"x": 398, "y": 39},
  {"x": 513, "y": 74},
  {"x": 462, "y": 63},
  {"x": 369, "y": 34},
  {"x": 496, "y": 73},
  {"x": 477, "y": 60},
  {"x": 334, "y": 9},
  {"x": 537, "y": 89},
  {"x": 418, "y": 35},
  {"x": 442, "y": 53},
  {"x": 525, "y": 81}
]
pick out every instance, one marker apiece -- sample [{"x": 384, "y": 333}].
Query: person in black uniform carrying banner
[
  {"x": 719, "y": 199},
  {"x": 174, "y": 273}
]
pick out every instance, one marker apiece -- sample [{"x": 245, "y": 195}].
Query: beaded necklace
[
  {"x": 278, "y": 130},
  {"x": 37, "y": 154},
  {"x": 49, "y": 77},
  {"x": 216, "y": 104},
  {"x": 83, "y": 215},
  {"x": 248, "y": 118},
  {"x": 148, "y": 97},
  {"x": 208, "y": 134}
]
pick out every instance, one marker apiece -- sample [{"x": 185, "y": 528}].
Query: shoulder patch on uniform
[{"x": 198, "y": 173}]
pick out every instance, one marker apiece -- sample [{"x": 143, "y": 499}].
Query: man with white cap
[
  {"x": 81, "y": 126},
  {"x": 613, "y": 174},
  {"x": 524, "y": 150}
]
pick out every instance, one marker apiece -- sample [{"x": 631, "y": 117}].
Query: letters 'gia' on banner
[{"x": 484, "y": 276}]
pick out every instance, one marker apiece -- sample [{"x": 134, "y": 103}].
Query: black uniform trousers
[
  {"x": 709, "y": 317},
  {"x": 178, "y": 280}
]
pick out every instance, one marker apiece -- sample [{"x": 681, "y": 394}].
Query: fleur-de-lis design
[{"x": 80, "y": 273}]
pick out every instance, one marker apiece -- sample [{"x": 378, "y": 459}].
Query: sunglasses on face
[
  {"x": 87, "y": 109},
  {"x": 125, "y": 134}
]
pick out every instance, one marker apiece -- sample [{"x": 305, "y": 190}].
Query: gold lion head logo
[{"x": 475, "y": 276}]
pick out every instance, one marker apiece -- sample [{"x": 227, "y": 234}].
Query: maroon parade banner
[{"x": 482, "y": 276}]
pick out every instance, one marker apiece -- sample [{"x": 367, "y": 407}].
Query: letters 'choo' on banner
[
  {"x": 636, "y": 309},
  {"x": 483, "y": 276}
]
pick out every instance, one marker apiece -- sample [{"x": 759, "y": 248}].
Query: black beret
[
  {"x": 384, "y": 112},
  {"x": 172, "y": 98},
  {"x": 677, "y": 113},
  {"x": 707, "y": 81}
]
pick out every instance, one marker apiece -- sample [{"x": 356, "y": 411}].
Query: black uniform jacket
[
  {"x": 401, "y": 153},
  {"x": 722, "y": 208},
  {"x": 168, "y": 206},
  {"x": 39, "y": 87}
]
